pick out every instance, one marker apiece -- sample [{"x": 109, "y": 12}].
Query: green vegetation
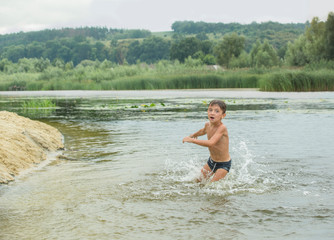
[
  {"x": 278, "y": 34},
  {"x": 127, "y": 46},
  {"x": 96, "y": 76},
  {"x": 269, "y": 56},
  {"x": 37, "y": 108},
  {"x": 296, "y": 80},
  {"x": 166, "y": 75},
  {"x": 38, "y": 103}
]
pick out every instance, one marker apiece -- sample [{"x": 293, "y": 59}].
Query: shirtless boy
[{"x": 219, "y": 162}]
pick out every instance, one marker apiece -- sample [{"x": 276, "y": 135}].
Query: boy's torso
[{"x": 220, "y": 151}]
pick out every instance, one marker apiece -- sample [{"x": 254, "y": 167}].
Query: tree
[
  {"x": 14, "y": 53},
  {"x": 242, "y": 61},
  {"x": 154, "y": 49},
  {"x": 82, "y": 51},
  {"x": 206, "y": 47},
  {"x": 64, "y": 53},
  {"x": 35, "y": 50},
  {"x": 42, "y": 64},
  {"x": 51, "y": 50},
  {"x": 329, "y": 31},
  {"x": 100, "y": 51},
  {"x": 26, "y": 65},
  {"x": 231, "y": 46},
  {"x": 295, "y": 54},
  {"x": 150, "y": 50},
  {"x": 315, "y": 46},
  {"x": 264, "y": 55},
  {"x": 119, "y": 53},
  {"x": 69, "y": 66},
  {"x": 185, "y": 48},
  {"x": 59, "y": 63},
  {"x": 134, "y": 52},
  {"x": 4, "y": 63},
  {"x": 202, "y": 36},
  {"x": 255, "y": 49}
]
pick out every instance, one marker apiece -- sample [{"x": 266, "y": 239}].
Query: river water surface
[{"x": 125, "y": 173}]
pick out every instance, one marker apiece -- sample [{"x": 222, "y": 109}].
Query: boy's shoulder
[{"x": 222, "y": 128}]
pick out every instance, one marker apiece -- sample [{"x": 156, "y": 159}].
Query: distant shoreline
[{"x": 211, "y": 93}]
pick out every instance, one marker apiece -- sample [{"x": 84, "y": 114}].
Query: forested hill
[
  {"x": 266, "y": 30},
  {"x": 190, "y": 27},
  {"x": 278, "y": 34},
  {"x": 123, "y": 45},
  {"x": 97, "y": 33}
]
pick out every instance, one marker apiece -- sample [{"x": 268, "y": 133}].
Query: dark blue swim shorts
[{"x": 214, "y": 166}]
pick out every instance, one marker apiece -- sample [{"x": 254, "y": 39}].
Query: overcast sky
[{"x": 153, "y": 15}]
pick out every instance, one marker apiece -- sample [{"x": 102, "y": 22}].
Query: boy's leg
[
  {"x": 205, "y": 173},
  {"x": 219, "y": 174}
]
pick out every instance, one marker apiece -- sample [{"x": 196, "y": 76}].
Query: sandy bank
[{"x": 24, "y": 143}]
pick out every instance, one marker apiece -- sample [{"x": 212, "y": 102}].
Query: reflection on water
[{"x": 125, "y": 173}]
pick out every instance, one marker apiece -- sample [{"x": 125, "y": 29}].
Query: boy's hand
[{"x": 187, "y": 139}]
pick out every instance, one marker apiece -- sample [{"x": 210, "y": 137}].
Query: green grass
[
  {"x": 37, "y": 108},
  {"x": 38, "y": 103},
  {"x": 182, "y": 81},
  {"x": 168, "y": 75},
  {"x": 298, "y": 80}
]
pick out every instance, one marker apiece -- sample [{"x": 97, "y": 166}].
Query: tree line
[
  {"x": 98, "y": 33},
  {"x": 230, "y": 45},
  {"x": 277, "y": 34}
]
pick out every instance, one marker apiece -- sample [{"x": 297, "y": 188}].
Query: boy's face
[{"x": 215, "y": 113}]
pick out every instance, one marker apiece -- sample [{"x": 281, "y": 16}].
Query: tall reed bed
[
  {"x": 298, "y": 80},
  {"x": 184, "y": 81},
  {"x": 168, "y": 75},
  {"x": 16, "y": 81}
]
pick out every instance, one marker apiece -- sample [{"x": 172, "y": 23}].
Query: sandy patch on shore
[{"x": 24, "y": 143}]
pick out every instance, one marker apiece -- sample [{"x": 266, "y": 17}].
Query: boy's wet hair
[{"x": 220, "y": 103}]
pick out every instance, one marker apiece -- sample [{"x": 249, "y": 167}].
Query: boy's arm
[
  {"x": 212, "y": 141},
  {"x": 200, "y": 132}
]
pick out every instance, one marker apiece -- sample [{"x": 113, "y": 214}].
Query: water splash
[{"x": 246, "y": 175}]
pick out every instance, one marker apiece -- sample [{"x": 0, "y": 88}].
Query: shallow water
[{"x": 127, "y": 174}]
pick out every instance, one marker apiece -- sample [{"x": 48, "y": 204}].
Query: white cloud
[
  {"x": 20, "y": 15},
  {"x": 320, "y": 8}
]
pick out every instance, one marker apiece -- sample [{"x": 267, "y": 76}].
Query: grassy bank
[
  {"x": 166, "y": 75},
  {"x": 298, "y": 80},
  {"x": 184, "y": 81}
]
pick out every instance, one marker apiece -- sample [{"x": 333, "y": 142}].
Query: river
[{"x": 125, "y": 173}]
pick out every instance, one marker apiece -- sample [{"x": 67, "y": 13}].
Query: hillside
[{"x": 123, "y": 45}]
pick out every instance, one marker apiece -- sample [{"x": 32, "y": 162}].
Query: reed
[
  {"x": 170, "y": 75},
  {"x": 322, "y": 64},
  {"x": 184, "y": 81},
  {"x": 38, "y": 103},
  {"x": 16, "y": 81},
  {"x": 38, "y": 108},
  {"x": 298, "y": 80}
]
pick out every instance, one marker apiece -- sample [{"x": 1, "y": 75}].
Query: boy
[{"x": 219, "y": 162}]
